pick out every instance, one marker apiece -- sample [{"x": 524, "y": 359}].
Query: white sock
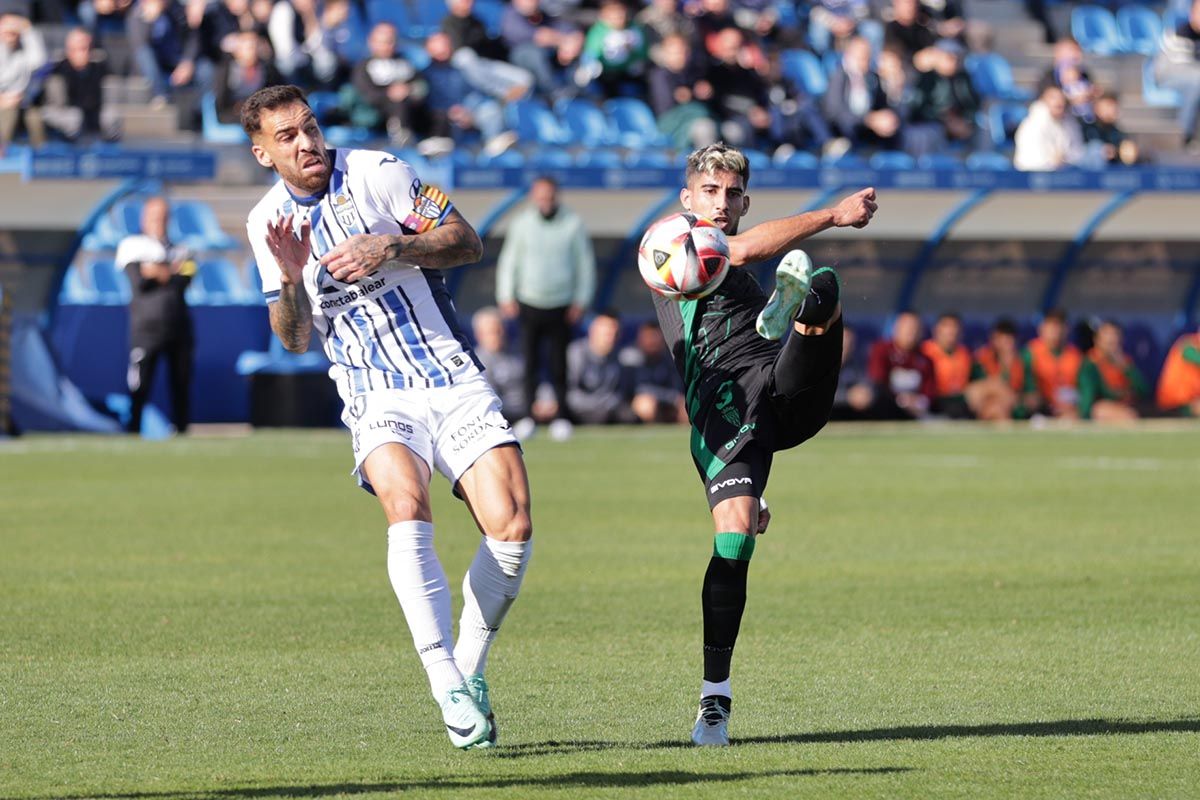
[
  {"x": 489, "y": 589},
  {"x": 708, "y": 689},
  {"x": 421, "y": 587}
]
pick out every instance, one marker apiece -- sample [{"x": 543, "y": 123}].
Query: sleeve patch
[{"x": 430, "y": 208}]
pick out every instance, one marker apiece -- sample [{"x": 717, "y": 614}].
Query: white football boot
[
  {"x": 793, "y": 276},
  {"x": 466, "y": 725},
  {"x": 712, "y": 722}
]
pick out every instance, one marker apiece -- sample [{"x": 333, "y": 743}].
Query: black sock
[
  {"x": 723, "y": 600},
  {"x": 822, "y": 299}
]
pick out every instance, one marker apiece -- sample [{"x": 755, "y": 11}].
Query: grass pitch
[{"x": 934, "y": 613}]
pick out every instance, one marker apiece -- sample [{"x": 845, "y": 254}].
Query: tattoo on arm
[
  {"x": 291, "y": 318},
  {"x": 451, "y": 244}
]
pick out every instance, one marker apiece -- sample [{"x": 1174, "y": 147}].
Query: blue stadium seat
[
  {"x": 127, "y": 216},
  {"x": 106, "y": 235},
  {"x": 1002, "y": 121},
  {"x": 805, "y": 70},
  {"x": 988, "y": 160},
  {"x": 757, "y": 159},
  {"x": 1152, "y": 93},
  {"x": 938, "y": 161},
  {"x": 345, "y": 135},
  {"x": 279, "y": 361},
  {"x": 586, "y": 123},
  {"x": 992, "y": 76},
  {"x": 393, "y": 11},
  {"x": 1140, "y": 29},
  {"x": 599, "y": 158},
  {"x": 490, "y": 13},
  {"x": 110, "y": 284},
  {"x": 551, "y": 158},
  {"x": 847, "y": 160},
  {"x": 800, "y": 159},
  {"x": 635, "y": 123},
  {"x": 194, "y": 225},
  {"x": 534, "y": 124},
  {"x": 649, "y": 159},
  {"x": 892, "y": 159},
  {"x": 217, "y": 283},
  {"x": 426, "y": 20},
  {"x": 509, "y": 158},
  {"x": 74, "y": 292},
  {"x": 323, "y": 104},
  {"x": 215, "y": 131},
  {"x": 1096, "y": 30}
]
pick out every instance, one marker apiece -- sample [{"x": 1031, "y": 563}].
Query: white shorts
[{"x": 448, "y": 427}]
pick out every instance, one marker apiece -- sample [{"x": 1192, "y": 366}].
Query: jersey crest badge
[{"x": 346, "y": 213}]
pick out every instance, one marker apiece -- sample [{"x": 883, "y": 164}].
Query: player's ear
[
  {"x": 685, "y": 198},
  {"x": 745, "y": 204},
  {"x": 261, "y": 156}
]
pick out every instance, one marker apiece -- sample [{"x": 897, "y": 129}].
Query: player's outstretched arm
[
  {"x": 451, "y": 244},
  {"x": 774, "y": 238}
]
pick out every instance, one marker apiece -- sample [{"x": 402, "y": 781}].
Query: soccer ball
[{"x": 683, "y": 257}]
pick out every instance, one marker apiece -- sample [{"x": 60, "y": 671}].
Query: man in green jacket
[{"x": 545, "y": 279}]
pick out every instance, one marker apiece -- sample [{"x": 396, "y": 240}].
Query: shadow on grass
[
  {"x": 1065, "y": 727},
  {"x": 594, "y": 780}
]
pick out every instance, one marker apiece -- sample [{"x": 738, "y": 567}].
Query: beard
[{"x": 308, "y": 182}]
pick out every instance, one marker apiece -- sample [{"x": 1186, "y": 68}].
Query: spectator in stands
[
  {"x": 73, "y": 93},
  {"x": 159, "y": 324},
  {"x": 909, "y": 32},
  {"x": 102, "y": 16},
  {"x": 503, "y": 370},
  {"x": 894, "y": 79},
  {"x": 615, "y": 52},
  {"x": 673, "y": 96},
  {"x": 903, "y": 377},
  {"x": 458, "y": 102},
  {"x": 1179, "y": 381},
  {"x": 163, "y": 48},
  {"x": 855, "y": 395},
  {"x": 856, "y": 103},
  {"x": 1115, "y": 147},
  {"x": 944, "y": 101},
  {"x": 1110, "y": 384},
  {"x": 597, "y": 385},
  {"x": 796, "y": 119},
  {"x": 951, "y": 367},
  {"x": 1001, "y": 388},
  {"x": 22, "y": 53},
  {"x": 661, "y": 19},
  {"x": 736, "y": 94},
  {"x": 302, "y": 53},
  {"x": 537, "y": 43},
  {"x": 545, "y": 279},
  {"x": 242, "y": 73},
  {"x": 1178, "y": 67},
  {"x": 652, "y": 377},
  {"x": 1069, "y": 74},
  {"x": 1049, "y": 138},
  {"x": 833, "y": 22},
  {"x": 1054, "y": 364},
  {"x": 467, "y": 30},
  {"x": 387, "y": 83}
]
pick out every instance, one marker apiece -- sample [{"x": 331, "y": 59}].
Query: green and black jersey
[{"x": 725, "y": 365}]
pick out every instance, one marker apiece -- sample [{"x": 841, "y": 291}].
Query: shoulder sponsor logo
[{"x": 725, "y": 484}]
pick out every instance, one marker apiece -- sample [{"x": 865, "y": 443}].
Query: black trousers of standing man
[
  {"x": 143, "y": 359},
  {"x": 549, "y": 326}
]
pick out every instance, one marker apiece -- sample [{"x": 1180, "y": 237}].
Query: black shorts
[{"x": 772, "y": 408}]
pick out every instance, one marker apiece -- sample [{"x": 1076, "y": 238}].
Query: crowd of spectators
[
  {"x": 892, "y": 73},
  {"x": 904, "y": 376}
]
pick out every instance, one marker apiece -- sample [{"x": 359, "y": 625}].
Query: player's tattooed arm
[
  {"x": 291, "y": 314},
  {"x": 451, "y": 244},
  {"x": 774, "y": 238}
]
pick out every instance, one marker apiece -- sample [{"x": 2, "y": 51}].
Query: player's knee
[
  {"x": 736, "y": 515},
  {"x": 517, "y": 528},
  {"x": 406, "y": 507}
]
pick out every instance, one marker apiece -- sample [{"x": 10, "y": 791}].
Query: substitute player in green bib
[{"x": 748, "y": 396}]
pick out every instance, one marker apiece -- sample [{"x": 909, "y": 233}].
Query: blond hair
[{"x": 718, "y": 157}]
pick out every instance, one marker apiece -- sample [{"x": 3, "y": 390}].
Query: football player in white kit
[{"x": 351, "y": 243}]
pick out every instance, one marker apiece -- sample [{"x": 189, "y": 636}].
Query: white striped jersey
[{"x": 395, "y": 328}]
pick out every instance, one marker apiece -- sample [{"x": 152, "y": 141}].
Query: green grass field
[{"x": 938, "y": 613}]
